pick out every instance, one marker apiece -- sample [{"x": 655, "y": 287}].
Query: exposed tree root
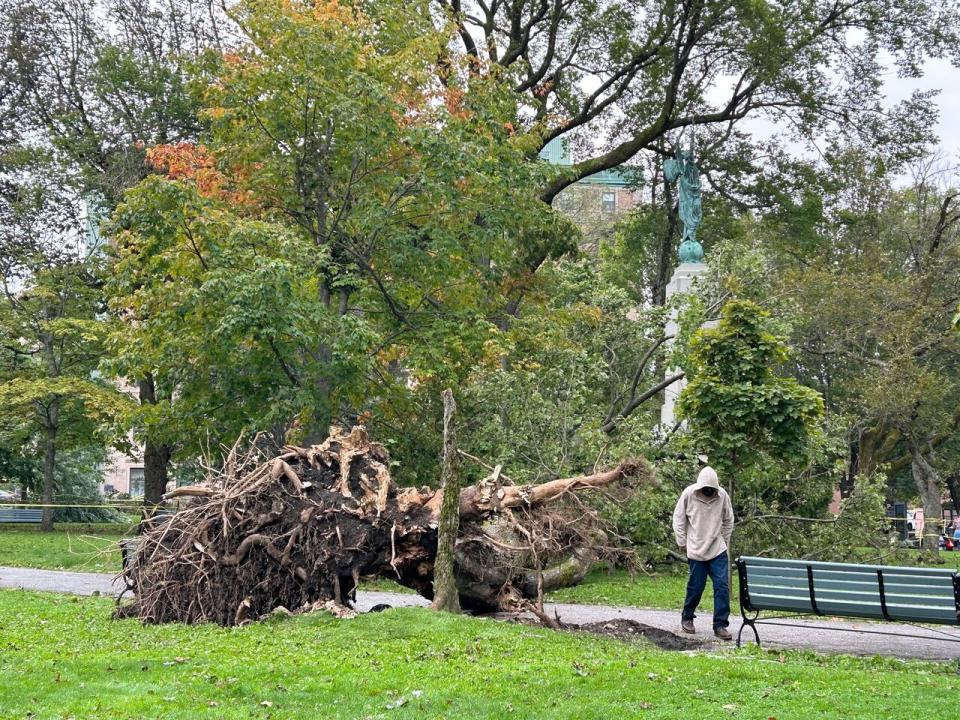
[{"x": 300, "y": 530}]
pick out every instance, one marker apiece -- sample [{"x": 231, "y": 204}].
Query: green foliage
[
  {"x": 740, "y": 412},
  {"x": 301, "y": 267},
  {"x": 51, "y": 347},
  {"x": 77, "y": 481},
  {"x": 219, "y": 309},
  {"x": 857, "y": 533},
  {"x": 66, "y": 657},
  {"x": 96, "y": 81},
  {"x": 559, "y": 373}
]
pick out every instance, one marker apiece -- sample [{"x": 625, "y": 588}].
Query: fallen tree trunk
[{"x": 304, "y": 527}]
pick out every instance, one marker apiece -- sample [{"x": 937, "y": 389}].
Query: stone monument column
[
  {"x": 681, "y": 283},
  {"x": 682, "y": 170}
]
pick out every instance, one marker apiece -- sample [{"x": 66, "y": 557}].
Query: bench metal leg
[
  {"x": 745, "y": 604},
  {"x": 751, "y": 623}
]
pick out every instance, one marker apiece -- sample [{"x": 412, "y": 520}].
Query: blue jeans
[{"x": 717, "y": 570}]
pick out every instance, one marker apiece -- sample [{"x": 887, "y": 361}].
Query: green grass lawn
[
  {"x": 64, "y": 658},
  {"x": 617, "y": 587},
  {"x": 80, "y": 547}
]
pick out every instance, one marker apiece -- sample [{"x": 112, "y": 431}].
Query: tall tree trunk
[
  {"x": 951, "y": 481},
  {"x": 853, "y": 467},
  {"x": 156, "y": 464},
  {"x": 49, "y": 463},
  {"x": 445, "y": 596},
  {"x": 156, "y": 455},
  {"x": 930, "y": 486}
]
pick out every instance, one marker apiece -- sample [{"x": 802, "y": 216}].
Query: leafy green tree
[
  {"x": 324, "y": 250},
  {"x": 90, "y": 84},
  {"x": 618, "y": 79},
  {"x": 740, "y": 412},
  {"x": 394, "y": 144},
  {"x": 20, "y": 469},
  {"x": 873, "y": 331},
  {"x": 50, "y": 396}
]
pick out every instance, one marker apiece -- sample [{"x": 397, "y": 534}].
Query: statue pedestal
[{"x": 681, "y": 282}]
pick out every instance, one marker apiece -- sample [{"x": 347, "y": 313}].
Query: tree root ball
[{"x": 302, "y": 528}]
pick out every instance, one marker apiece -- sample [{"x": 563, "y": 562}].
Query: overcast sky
[{"x": 938, "y": 75}]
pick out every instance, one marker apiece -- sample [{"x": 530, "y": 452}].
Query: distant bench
[
  {"x": 20, "y": 515},
  {"x": 878, "y": 592}
]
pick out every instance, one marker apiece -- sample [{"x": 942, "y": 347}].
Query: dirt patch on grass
[
  {"x": 621, "y": 629},
  {"x": 624, "y": 629}
]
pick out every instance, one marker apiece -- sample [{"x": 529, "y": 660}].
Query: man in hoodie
[{"x": 702, "y": 524}]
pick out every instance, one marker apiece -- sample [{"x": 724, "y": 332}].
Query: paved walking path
[{"x": 819, "y": 635}]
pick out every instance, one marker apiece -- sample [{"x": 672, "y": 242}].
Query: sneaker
[
  {"x": 723, "y": 633},
  {"x": 687, "y": 626}
]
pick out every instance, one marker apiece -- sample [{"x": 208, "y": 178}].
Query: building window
[
  {"x": 136, "y": 482},
  {"x": 608, "y": 201}
]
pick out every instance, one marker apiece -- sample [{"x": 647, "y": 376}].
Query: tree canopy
[{"x": 325, "y": 212}]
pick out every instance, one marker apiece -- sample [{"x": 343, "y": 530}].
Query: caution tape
[{"x": 48, "y": 505}]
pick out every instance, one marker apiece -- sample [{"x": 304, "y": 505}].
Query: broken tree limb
[
  {"x": 636, "y": 401},
  {"x": 189, "y": 491},
  {"x": 478, "y": 500},
  {"x": 445, "y": 595}
]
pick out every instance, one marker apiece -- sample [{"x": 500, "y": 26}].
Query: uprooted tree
[{"x": 302, "y": 528}]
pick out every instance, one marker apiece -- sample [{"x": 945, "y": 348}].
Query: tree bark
[
  {"x": 445, "y": 595},
  {"x": 930, "y": 487},
  {"x": 49, "y": 464},
  {"x": 853, "y": 467},
  {"x": 156, "y": 455},
  {"x": 951, "y": 481},
  {"x": 156, "y": 463},
  {"x": 665, "y": 252}
]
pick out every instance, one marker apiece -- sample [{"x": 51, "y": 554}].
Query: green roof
[{"x": 557, "y": 152}]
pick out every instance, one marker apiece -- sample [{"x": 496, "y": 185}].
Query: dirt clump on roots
[{"x": 299, "y": 530}]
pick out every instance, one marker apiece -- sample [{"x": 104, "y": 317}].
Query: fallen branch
[{"x": 190, "y": 491}]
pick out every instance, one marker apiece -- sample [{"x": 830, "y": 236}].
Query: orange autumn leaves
[
  {"x": 189, "y": 161},
  {"x": 322, "y": 11},
  {"x": 196, "y": 164}
]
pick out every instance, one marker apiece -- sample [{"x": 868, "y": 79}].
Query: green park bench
[
  {"x": 20, "y": 515},
  {"x": 877, "y": 592}
]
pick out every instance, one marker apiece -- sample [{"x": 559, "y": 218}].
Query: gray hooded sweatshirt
[{"x": 703, "y": 525}]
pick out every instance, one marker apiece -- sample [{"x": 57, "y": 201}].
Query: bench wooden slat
[
  {"x": 21, "y": 515},
  {"x": 940, "y": 588},
  {"x": 902, "y": 599},
  {"x": 858, "y": 576},
  {"x": 845, "y": 568},
  {"x": 840, "y": 608}
]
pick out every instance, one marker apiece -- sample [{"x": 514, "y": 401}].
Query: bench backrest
[
  {"x": 20, "y": 515},
  {"x": 883, "y": 592}
]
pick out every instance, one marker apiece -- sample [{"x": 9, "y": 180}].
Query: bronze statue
[{"x": 682, "y": 170}]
